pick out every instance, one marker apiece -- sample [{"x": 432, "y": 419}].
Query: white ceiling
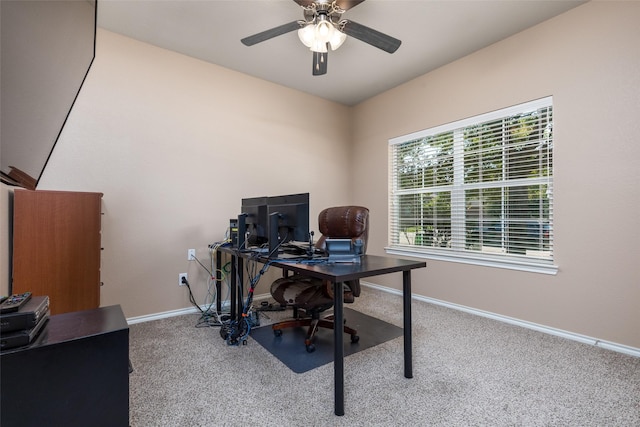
[{"x": 433, "y": 33}]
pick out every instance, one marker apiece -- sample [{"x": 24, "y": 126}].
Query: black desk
[{"x": 370, "y": 265}]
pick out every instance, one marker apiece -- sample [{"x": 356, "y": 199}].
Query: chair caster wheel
[
  {"x": 311, "y": 348},
  {"x": 277, "y": 332},
  {"x": 355, "y": 338}
]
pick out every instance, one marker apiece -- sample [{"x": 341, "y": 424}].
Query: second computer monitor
[{"x": 288, "y": 219}]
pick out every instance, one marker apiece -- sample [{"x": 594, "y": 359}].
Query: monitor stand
[{"x": 274, "y": 236}]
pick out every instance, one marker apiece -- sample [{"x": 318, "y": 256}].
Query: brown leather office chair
[{"x": 313, "y": 296}]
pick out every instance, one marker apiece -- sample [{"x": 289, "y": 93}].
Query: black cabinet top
[{"x": 78, "y": 325}]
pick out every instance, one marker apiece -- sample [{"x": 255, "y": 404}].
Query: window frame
[{"x": 456, "y": 252}]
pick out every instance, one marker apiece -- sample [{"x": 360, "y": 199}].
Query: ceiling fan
[{"x": 323, "y": 28}]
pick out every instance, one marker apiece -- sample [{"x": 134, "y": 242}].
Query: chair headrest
[{"x": 344, "y": 222}]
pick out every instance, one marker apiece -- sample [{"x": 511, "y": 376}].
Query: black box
[
  {"x": 27, "y": 317},
  {"x": 22, "y": 337}
]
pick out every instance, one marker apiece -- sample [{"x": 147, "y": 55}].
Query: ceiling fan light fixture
[
  {"x": 315, "y": 36},
  {"x": 324, "y": 31},
  {"x": 307, "y": 34},
  {"x": 319, "y": 46},
  {"x": 337, "y": 39}
]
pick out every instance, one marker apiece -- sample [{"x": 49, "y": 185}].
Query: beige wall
[
  {"x": 589, "y": 61},
  {"x": 175, "y": 143}
]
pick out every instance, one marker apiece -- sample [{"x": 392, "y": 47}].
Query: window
[{"x": 478, "y": 190}]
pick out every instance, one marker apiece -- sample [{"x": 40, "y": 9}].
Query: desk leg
[
  {"x": 234, "y": 287},
  {"x": 406, "y": 300},
  {"x": 218, "y": 277},
  {"x": 240, "y": 287},
  {"x": 338, "y": 345}
]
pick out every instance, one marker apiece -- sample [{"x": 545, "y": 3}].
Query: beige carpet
[{"x": 468, "y": 371}]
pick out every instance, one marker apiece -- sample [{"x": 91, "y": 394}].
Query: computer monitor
[
  {"x": 289, "y": 199},
  {"x": 253, "y": 222},
  {"x": 288, "y": 220},
  {"x": 274, "y": 220}
]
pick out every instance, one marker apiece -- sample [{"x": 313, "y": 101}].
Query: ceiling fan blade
[
  {"x": 371, "y": 36},
  {"x": 269, "y": 34},
  {"x": 320, "y": 63},
  {"x": 342, "y": 4},
  {"x": 304, "y": 3},
  {"x": 348, "y": 4}
]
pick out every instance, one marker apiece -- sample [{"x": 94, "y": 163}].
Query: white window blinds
[{"x": 479, "y": 187}]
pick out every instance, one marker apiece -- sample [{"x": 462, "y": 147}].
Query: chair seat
[{"x": 301, "y": 291}]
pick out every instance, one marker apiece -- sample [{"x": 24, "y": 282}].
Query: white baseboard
[
  {"x": 182, "y": 311},
  {"x": 620, "y": 348},
  {"x": 161, "y": 315}
]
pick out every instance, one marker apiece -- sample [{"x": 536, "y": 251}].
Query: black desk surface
[{"x": 369, "y": 265}]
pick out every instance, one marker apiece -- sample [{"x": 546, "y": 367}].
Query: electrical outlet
[
  {"x": 180, "y": 277},
  {"x": 191, "y": 254}
]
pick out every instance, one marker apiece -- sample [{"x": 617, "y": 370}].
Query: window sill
[{"x": 485, "y": 260}]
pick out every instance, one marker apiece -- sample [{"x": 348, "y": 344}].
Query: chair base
[{"x": 313, "y": 323}]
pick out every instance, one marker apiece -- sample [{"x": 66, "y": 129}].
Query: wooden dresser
[{"x": 56, "y": 247}]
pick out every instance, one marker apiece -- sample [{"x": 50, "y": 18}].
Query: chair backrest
[{"x": 344, "y": 222}]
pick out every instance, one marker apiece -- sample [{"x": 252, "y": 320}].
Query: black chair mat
[{"x": 290, "y": 349}]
